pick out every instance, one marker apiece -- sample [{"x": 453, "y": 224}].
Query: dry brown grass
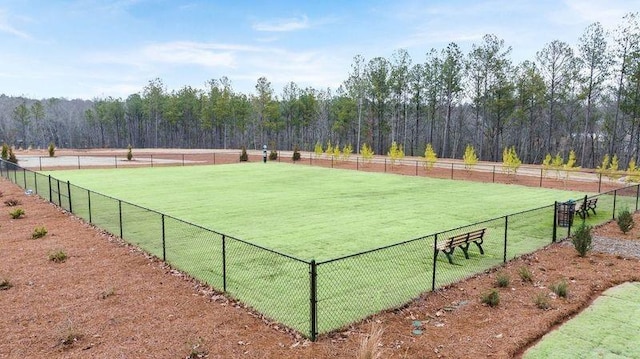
[{"x": 371, "y": 344}]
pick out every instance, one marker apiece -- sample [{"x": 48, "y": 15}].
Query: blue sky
[{"x": 98, "y": 48}]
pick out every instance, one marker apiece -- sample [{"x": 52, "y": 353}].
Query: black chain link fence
[{"x": 319, "y": 297}]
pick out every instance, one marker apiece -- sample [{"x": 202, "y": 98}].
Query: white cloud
[
  {"x": 6, "y": 27},
  {"x": 283, "y": 25},
  {"x": 189, "y": 53}
]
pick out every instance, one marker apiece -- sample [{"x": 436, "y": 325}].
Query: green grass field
[
  {"x": 311, "y": 213},
  {"x": 609, "y": 328}
]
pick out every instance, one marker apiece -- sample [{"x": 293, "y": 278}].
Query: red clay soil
[{"x": 110, "y": 300}]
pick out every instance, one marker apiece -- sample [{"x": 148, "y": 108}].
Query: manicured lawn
[
  {"x": 311, "y": 212},
  {"x": 609, "y": 328}
]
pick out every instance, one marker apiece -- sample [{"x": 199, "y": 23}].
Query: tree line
[{"x": 585, "y": 100}]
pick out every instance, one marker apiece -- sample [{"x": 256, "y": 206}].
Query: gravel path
[{"x": 622, "y": 247}]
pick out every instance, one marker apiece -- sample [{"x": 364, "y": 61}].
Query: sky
[{"x": 90, "y": 49}]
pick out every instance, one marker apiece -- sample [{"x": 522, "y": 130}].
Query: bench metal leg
[{"x": 479, "y": 244}]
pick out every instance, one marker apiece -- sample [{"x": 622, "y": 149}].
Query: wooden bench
[
  {"x": 463, "y": 241},
  {"x": 583, "y": 207}
]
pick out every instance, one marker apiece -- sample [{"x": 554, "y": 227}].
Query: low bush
[
  {"x": 273, "y": 155},
  {"x": 244, "y": 157},
  {"x": 39, "y": 232},
  {"x": 5, "y": 284},
  {"x": 296, "y": 153},
  {"x": 129, "y": 153},
  {"x": 542, "y": 301},
  {"x": 525, "y": 274},
  {"x": 582, "y": 239},
  {"x": 58, "y": 256},
  {"x": 5, "y": 151},
  {"x": 12, "y": 156},
  {"x": 502, "y": 280},
  {"x": 51, "y": 149},
  {"x": 561, "y": 289},
  {"x": 491, "y": 298},
  {"x": 17, "y": 213},
  {"x": 625, "y": 220},
  {"x": 12, "y": 202}
]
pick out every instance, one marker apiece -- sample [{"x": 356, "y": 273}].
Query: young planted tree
[
  {"x": 430, "y": 157},
  {"x": 570, "y": 165},
  {"x": 470, "y": 158},
  {"x": 5, "y": 151},
  {"x": 347, "y": 150},
  {"x": 510, "y": 160},
  {"x": 367, "y": 153},
  {"x": 546, "y": 164},
  {"x": 633, "y": 172},
  {"x": 318, "y": 149},
  {"x": 396, "y": 153},
  {"x": 557, "y": 164},
  {"x": 329, "y": 151}
]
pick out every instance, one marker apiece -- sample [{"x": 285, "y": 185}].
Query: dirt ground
[{"x": 110, "y": 300}]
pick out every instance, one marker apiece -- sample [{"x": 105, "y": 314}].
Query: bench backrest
[{"x": 465, "y": 237}]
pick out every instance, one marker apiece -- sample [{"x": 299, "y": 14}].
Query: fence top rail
[{"x": 374, "y": 249}]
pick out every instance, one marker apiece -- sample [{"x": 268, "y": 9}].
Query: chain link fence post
[
  {"x": 506, "y": 226},
  {"x": 313, "y": 299},
  {"x": 554, "y": 235},
  {"x": 164, "y": 247},
  {"x": 224, "y": 263},
  {"x": 435, "y": 256},
  {"x": 69, "y": 193}
]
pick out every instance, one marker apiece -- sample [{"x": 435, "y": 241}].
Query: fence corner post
[{"x": 313, "y": 299}]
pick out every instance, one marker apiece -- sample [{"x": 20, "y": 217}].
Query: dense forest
[{"x": 583, "y": 97}]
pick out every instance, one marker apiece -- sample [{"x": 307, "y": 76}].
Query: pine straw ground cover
[{"x": 107, "y": 299}]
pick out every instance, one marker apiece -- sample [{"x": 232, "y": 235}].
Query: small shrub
[
  {"x": 39, "y": 232},
  {"x": 582, "y": 239},
  {"x": 525, "y": 274},
  {"x": 12, "y": 156},
  {"x": 58, "y": 256},
  {"x": 5, "y": 151},
  {"x": 370, "y": 344},
  {"x": 11, "y": 202},
  {"x": 502, "y": 280},
  {"x": 561, "y": 288},
  {"x": 244, "y": 157},
  {"x": 5, "y": 284},
  {"x": 17, "y": 213},
  {"x": 273, "y": 155},
  {"x": 197, "y": 351},
  {"x": 69, "y": 335},
  {"x": 107, "y": 293},
  {"x": 296, "y": 153},
  {"x": 129, "y": 153},
  {"x": 52, "y": 149},
  {"x": 491, "y": 298},
  {"x": 625, "y": 220},
  {"x": 541, "y": 301}
]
